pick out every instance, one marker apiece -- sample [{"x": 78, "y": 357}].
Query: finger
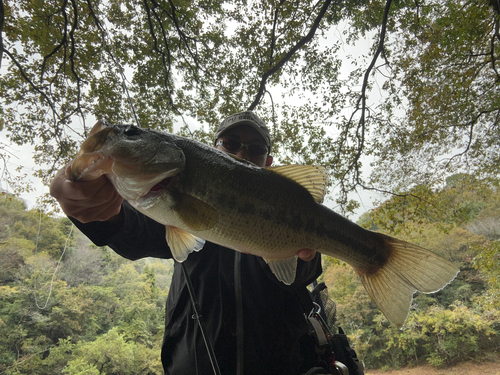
[
  {"x": 56, "y": 184},
  {"x": 306, "y": 254},
  {"x": 102, "y": 212},
  {"x": 63, "y": 189},
  {"x": 67, "y": 171},
  {"x": 91, "y": 193},
  {"x": 112, "y": 211}
]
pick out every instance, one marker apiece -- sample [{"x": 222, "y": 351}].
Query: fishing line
[
  {"x": 35, "y": 287},
  {"x": 240, "y": 332},
  {"x": 106, "y": 40},
  {"x": 107, "y": 43},
  {"x": 57, "y": 265},
  {"x": 110, "y": 49}
]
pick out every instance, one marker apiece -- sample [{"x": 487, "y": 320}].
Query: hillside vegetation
[
  {"x": 461, "y": 222},
  {"x": 94, "y": 313},
  {"x": 69, "y": 307}
]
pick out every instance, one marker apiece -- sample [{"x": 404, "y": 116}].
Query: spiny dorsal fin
[
  {"x": 196, "y": 214},
  {"x": 182, "y": 243},
  {"x": 313, "y": 177}
]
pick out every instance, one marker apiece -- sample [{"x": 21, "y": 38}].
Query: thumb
[{"x": 67, "y": 172}]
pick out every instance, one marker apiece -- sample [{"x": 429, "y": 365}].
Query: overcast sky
[{"x": 23, "y": 155}]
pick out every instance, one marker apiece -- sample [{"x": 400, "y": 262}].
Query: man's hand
[
  {"x": 86, "y": 201},
  {"x": 306, "y": 254}
]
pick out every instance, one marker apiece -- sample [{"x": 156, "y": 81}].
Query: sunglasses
[{"x": 233, "y": 146}]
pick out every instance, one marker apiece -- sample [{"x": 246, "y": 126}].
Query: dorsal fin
[{"x": 313, "y": 177}]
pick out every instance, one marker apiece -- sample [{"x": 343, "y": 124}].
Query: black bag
[{"x": 335, "y": 356}]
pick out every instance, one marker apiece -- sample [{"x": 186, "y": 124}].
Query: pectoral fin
[
  {"x": 182, "y": 243},
  {"x": 196, "y": 214},
  {"x": 283, "y": 269}
]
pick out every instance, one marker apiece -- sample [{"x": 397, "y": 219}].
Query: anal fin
[
  {"x": 182, "y": 243},
  {"x": 283, "y": 269}
]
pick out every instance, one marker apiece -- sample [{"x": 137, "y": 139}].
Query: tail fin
[{"x": 409, "y": 269}]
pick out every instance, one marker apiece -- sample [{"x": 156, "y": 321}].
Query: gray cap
[{"x": 245, "y": 118}]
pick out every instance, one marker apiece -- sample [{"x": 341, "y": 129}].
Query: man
[{"x": 254, "y": 321}]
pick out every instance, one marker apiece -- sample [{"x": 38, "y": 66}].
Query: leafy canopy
[{"x": 420, "y": 104}]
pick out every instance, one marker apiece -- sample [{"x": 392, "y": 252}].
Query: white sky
[{"x": 23, "y": 155}]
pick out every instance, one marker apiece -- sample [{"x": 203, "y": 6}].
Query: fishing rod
[{"x": 199, "y": 318}]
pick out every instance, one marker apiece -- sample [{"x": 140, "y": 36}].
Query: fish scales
[
  {"x": 202, "y": 194},
  {"x": 281, "y": 223}
]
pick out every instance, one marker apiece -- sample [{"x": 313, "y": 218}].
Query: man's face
[{"x": 248, "y": 135}]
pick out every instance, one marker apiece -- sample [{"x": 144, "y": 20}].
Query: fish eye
[{"x": 131, "y": 131}]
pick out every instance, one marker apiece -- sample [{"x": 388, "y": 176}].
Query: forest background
[
  {"x": 69, "y": 307},
  {"x": 413, "y": 118}
]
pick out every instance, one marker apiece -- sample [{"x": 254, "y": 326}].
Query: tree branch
[
  {"x": 273, "y": 33},
  {"x": 2, "y": 21},
  {"x": 165, "y": 58},
  {"x": 30, "y": 82},
  {"x": 361, "y": 127},
  {"x": 72, "y": 58},
  {"x": 107, "y": 45},
  {"x": 289, "y": 55},
  {"x": 63, "y": 42},
  {"x": 496, "y": 36},
  {"x": 184, "y": 38}
]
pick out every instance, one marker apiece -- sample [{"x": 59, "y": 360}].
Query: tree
[
  {"x": 487, "y": 260},
  {"x": 112, "y": 353},
  {"x": 463, "y": 200},
  {"x": 48, "y": 326},
  {"x": 52, "y": 315},
  {"x": 84, "y": 265},
  {"x": 421, "y": 104},
  {"x": 447, "y": 85},
  {"x": 456, "y": 323}
]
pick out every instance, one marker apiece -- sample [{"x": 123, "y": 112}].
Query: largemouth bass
[{"x": 202, "y": 194}]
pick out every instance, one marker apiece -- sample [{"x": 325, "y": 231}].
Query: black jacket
[{"x": 275, "y": 333}]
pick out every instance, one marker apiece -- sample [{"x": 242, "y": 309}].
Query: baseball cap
[{"x": 245, "y": 118}]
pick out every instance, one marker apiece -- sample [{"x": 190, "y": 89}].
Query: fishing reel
[
  {"x": 339, "y": 369},
  {"x": 333, "y": 349}
]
